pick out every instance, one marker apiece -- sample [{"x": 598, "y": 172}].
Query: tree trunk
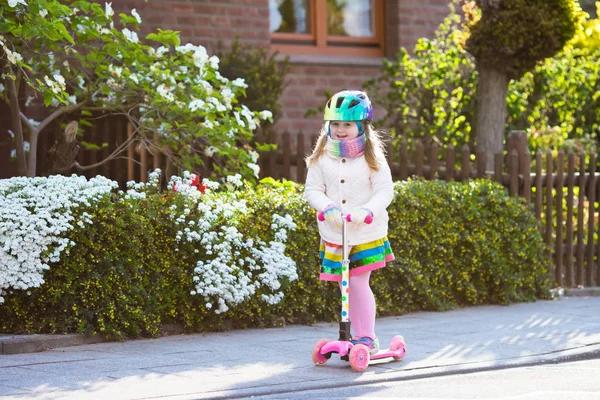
[
  {"x": 491, "y": 112},
  {"x": 33, "y": 145},
  {"x": 17, "y": 126}
]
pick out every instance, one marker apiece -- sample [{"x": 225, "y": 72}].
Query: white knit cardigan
[{"x": 349, "y": 183}]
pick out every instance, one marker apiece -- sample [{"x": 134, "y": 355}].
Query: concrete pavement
[{"x": 239, "y": 364}]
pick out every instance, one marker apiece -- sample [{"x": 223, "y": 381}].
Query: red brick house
[{"x": 332, "y": 44}]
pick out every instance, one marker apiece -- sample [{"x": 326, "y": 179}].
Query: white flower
[
  {"x": 165, "y": 92},
  {"x": 115, "y": 71},
  {"x": 136, "y": 15},
  {"x": 60, "y": 80},
  {"x": 210, "y": 151},
  {"x": 240, "y": 82},
  {"x": 43, "y": 12},
  {"x": 36, "y": 215},
  {"x": 12, "y": 56},
  {"x": 235, "y": 179},
  {"x": 214, "y": 62},
  {"x": 200, "y": 57},
  {"x": 196, "y": 104},
  {"x": 134, "y": 78},
  {"x": 161, "y": 51},
  {"x": 13, "y": 3},
  {"x": 255, "y": 168},
  {"x": 108, "y": 10},
  {"x": 131, "y": 36},
  {"x": 266, "y": 114}
]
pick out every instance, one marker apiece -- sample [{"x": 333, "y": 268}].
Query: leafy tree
[
  {"x": 509, "y": 38},
  {"x": 429, "y": 94},
  {"x": 76, "y": 60}
]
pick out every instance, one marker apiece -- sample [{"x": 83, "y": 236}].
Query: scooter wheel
[
  {"x": 359, "y": 357},
  {"x": 317, "y": 357},
  {"x": 396, "y": 344}
]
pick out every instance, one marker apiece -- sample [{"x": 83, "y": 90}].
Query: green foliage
[
  {"x": 466, "y": 243},
  {"x": 455, "y": 244},
  {"x": 430, "y": 93},
  {"x": 588, "y": 34},
  {"x": 76, "y": 57},
  {"x": 263, "y": 71},
  {"x": 514, "y": 35}
]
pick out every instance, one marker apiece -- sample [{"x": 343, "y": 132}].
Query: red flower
[
  {"x": 195, "y": 180},
  {"x": 196, "y": 183}
]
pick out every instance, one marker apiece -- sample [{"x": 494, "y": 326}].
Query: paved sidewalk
[{"x": 258, "y": 362}]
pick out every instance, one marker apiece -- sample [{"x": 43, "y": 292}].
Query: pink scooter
[{"x": 357, "y": 354}]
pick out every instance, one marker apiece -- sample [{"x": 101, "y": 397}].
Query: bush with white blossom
[
  {"x": 235, "y": 266},
  {"x": 36, "y": 214}
]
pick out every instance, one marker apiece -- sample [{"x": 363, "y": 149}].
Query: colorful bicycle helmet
[{"x": 349, "y": 105}]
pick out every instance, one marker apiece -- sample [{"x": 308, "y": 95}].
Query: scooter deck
[{"x": 387, "y": 353}]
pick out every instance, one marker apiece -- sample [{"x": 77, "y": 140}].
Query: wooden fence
[{"x": 564, "y": 189}]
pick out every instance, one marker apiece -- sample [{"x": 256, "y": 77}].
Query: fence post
[
  {"x": 300, "y": 164},
  {"x": 450, "y": 163},
  {"x": 481, "y": 162},
  {"x": 403, "y": 159},
  {"x": 433, "y": 161},
  {"x": 538, "y": 185},
  {"x": 570, "y": 195},
  {"x": 581, "y": 200},
  {"x": 549, "y": 169},
  {"x": 498, "y": 168},
  {"x": 591, "y": 199},
  {"x": 560, "y": 165},
  {"x": 419, "y": 159},
  {"x": 465, "y": 168},
  {"x": 130, "y": 155},
  {"x": 513, "y": 173},
  {"x": 286, "y": 149}
]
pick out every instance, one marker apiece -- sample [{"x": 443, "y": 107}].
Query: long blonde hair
[{"x": 374, "y": 147}]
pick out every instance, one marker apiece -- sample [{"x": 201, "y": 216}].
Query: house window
[{"x": 335, "y": 27}]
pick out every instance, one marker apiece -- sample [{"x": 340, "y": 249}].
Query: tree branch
[{"x": 122, "y": 147}]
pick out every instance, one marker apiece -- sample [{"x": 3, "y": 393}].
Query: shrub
[{"x": 203, "y": 255}]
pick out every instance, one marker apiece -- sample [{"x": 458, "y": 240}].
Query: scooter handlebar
[{"x": 368, "y": 219}]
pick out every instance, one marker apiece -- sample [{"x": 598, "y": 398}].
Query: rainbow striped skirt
[{"x": 363, "y": 257}]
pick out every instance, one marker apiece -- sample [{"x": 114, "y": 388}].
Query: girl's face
[{"x": 344, "y": 130}]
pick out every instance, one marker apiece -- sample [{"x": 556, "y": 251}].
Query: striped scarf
[{"x": 351, "y": 148}]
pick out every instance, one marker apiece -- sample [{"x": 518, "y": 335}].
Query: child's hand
[
  {"x": 333, "y": 215},
  {"x": 360, "y": 215}
]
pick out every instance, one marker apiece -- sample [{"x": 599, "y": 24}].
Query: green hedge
[{"x": 455, "y": 244}]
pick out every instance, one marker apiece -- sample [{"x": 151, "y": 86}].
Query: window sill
[{"x": 332, "y": 60}]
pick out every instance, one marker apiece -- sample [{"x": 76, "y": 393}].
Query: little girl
[{"x": 348, "y": 174}]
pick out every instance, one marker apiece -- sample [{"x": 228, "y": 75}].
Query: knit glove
[
  {"x": 360, "y": 215},
  {"x": 333, "y": 215}
]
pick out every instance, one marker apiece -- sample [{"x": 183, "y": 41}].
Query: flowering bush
[
  {"x": 234, "y": 265},
  {"x": 36, "y": 216},
  {"x": 76, "y": 59}
]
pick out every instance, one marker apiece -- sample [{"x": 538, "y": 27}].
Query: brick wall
[{"x": 205, "y": 22}]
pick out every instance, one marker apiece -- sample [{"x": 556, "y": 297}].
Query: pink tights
[{"x": 362, "y": 306}]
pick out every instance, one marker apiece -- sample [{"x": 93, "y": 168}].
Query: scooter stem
[{"x": 345, "y": 280}]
